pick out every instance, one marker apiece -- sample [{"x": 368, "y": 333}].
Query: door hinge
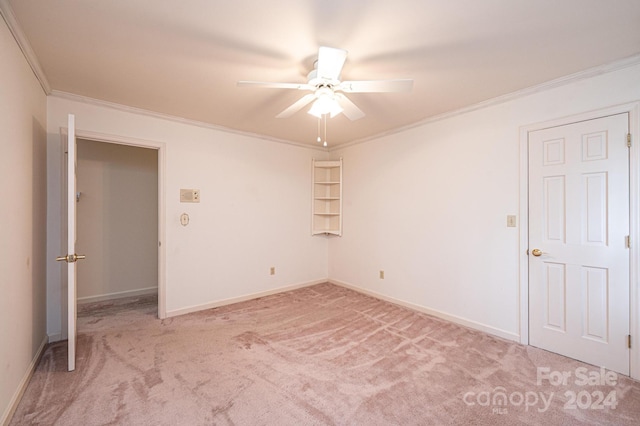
[
  {"x": 629, "y": 140},
  {"x": 627, "y": 241},
  {"x": 629, "y": 341}
]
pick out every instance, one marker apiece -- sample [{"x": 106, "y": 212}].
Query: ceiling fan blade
[
  {"x": 349, "y": 109},
  {"x": 270, "y": 85},
  {"x": 297, "y": 106},
  {"x": 330, "y": 62},
  {"x": 374, "y": 86}
]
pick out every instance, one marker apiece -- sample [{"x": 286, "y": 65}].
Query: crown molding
[
  {"x": 176, "y": 119},
  {"x": 552, "y": 84},
  {"x": 10, "y": 18}
]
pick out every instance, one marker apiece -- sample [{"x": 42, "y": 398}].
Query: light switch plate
[{"x": 511, "y": 221}]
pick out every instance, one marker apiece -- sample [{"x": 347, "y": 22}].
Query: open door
[{"x": 71, "y": 257}]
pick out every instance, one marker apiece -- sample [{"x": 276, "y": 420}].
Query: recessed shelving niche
[{"x": 326, "y": 215}]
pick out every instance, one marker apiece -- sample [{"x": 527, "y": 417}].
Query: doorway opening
[
  {"x": 117, "y": 221},
  {"x": 159, "y": 149}
]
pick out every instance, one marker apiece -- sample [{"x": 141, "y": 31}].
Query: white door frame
[
  {"x": 160, "y": 147},
  {"x": 633, "y": 109}
]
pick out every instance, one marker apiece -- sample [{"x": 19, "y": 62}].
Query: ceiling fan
[{"x": 328, "y": 91}]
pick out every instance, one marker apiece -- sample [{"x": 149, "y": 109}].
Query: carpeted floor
[{"x": 321, "y": 355}]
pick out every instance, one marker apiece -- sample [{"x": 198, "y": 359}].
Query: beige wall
[
  {"x": 418, "y": 204},
  {"x": 255, "y": 209},
  {"x": 23, "y": 172},
  {"x": 117, "y": 220},
  {"x": 429, "y": 205}
]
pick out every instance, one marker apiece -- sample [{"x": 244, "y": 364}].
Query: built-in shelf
[{"x": 326, "y": 215}]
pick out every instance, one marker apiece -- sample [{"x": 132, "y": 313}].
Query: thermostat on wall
[{"x": 189, "y": 195}]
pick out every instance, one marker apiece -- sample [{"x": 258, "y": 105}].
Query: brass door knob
[
  {"x": 70, "y": 258},
  {"x": 536, "y": 252}
]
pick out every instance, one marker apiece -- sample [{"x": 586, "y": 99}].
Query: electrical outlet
[
  {"x": 382, "y": 275},
  {"x": 272, "y": 270}
]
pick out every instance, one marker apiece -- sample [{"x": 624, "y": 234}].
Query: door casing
[
  {"x": 633, "y": 109},
  {"x": 160, "y": 147}
]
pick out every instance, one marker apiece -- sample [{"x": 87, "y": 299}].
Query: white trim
[
  {"x": 224, "y": 302},
  {"x": 558, "y": 82},
  {"x": 523, "y": 258},
  {"x": 17, "y": 396},
  {"x": 10, "y": 18},
  {"x": 633, "y": 109},
  {"x": 634, "y": 231},
  {"x": 118, "y": 295},
  {"x": 162, "y": 234},
  {"x": 55, "y": 337},
  {"x": 433, "y": 312},
  {"x": 161, "y": 147},
  {"x": 181, "y": 120}
]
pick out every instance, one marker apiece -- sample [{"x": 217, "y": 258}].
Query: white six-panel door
[{"x": 578, "y": 255}]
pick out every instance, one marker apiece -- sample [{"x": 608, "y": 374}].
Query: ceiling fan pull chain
[{"x": 325, "y": 129}]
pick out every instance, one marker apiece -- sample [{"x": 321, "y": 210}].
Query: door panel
[
  {"x": 595, "y": 282},
  {"x": 578, "y": 221},
  {"x": 556, "y": 289}
]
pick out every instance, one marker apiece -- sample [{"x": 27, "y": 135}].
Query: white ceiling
[{"x": 184, "y": 58}]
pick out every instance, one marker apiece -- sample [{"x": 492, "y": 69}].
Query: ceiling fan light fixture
[{"x": 325, "y": 104}]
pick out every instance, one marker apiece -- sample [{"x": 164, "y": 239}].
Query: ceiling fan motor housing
[{"x": 319, "y": 82}]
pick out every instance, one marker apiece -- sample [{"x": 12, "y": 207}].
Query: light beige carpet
[{"x": 321, "y": 355}]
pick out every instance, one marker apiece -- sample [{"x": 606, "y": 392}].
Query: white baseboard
[
  {"x": 452, "y": 318},
  {"x": 233, "y": 300},
  {"x": 55, "y": 337},
  {"x": 118, "y": 295},
  {"x": 15, "y": 400}
]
